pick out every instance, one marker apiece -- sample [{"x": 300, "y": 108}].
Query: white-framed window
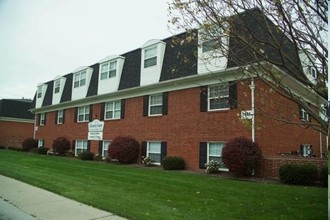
[
  {"x": 304, "y": 115},
  {"x": 57, "y": 86},
  {"x": 39, "y": 92},
  {"x": 150, "y": 56},
  {"x": 41, "y": 143},
  {"x": 60, "y": 116},
  {"x": 79, "y": 79},
  {"x": 42, "y": 119},
  {"x": 214, "y": 152},
  {"x": 156, "y": 104},
  {"x": 83, "y": 113},
  {"x": 218, "y": 97},
  {"x": 112, "y": 110},
  {"x": 306, "y": 150},
  {"x": 154, "y": 151},
  {"x": 312, "y": 71},
  {"x": 210, "y": 45},
  {"x": 80, "y": 146},
  {"x": 214, "y": 37},
  {"x": 108, "y": 70},
  {"x": 105, "y": 147}
]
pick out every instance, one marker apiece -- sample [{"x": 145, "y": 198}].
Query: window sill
[
  {"x": 219, "y": 110},
  {"x": 111, "y": 119},
  {"x": 155, "y": 116}
]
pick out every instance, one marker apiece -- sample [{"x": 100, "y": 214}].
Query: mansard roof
[
  {"x": 16, "y": 108},
  {"x": 181, "y": 60}
]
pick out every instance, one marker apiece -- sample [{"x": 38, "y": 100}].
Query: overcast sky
[{"x": 41, "y": 39}]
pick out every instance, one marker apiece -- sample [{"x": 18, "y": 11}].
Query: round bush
[
  {"x": 28, "y": 144},
  {"x": 242, "y": 156},
  {"x": 42, "y": 150},
  {"x": 61, "y": 145},
  {"x": 86, "y": 156},
  {"x": 298, "y": 174},
  {"x": 125, "y": 149},
  {"x": 324, "y": 176},
  {"x": 173, "y": 163},
  {"x": 34, "y": 150}
]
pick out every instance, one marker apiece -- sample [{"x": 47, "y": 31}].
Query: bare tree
[{"x": 258, "y": 35}]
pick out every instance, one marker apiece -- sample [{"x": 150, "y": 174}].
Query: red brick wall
[
  {"x": 12, "y": 134},
  {"x": 185, "y": 126},
  {"x": 271, "y": 165}
]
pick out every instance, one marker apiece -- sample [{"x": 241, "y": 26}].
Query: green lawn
[{"x": 148, "y": 193}]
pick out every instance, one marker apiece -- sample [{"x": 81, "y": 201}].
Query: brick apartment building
[
  {"x": 174, "y": 103},
  {"x": 16, "y": 122}
]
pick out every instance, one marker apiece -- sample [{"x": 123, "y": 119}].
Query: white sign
[
  {"x": 246, "y": 114},
  {"x": 96, "y": 126},
  {"x": 95, "y": 136}
]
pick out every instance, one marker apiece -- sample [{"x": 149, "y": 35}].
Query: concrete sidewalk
[{"x": 21, "y": 201}]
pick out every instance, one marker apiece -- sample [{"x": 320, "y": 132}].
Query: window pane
[
  {"x": 155, "y": 157},
  {"x": 156, "y": 110},
  {"x": 104, "y": 68},
  {"x": 117, "y": 114},
  {"x": 104, "y": 75},
  {"x": 156, "y": 99},
  {"x": 76, "y": 84},
  {"x": 214, "y": 149},
  {"x": 113, "y": 65},
  {"x": 210, "y": 45},
  {"x": 117, "y": 105},
  {"x": 108, "y": 115},
  {"x": 151, "y": 52},
  {"x": 154, "y": 147},
  {"x": 150, "y": 62},
  {"x": 112, "y": 73}
]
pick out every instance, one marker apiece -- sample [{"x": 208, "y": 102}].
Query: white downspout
[
  {"x": 321, "y": 151},
  {"x": 34, "y": 127},
  {"x": 252, "y": 87}
]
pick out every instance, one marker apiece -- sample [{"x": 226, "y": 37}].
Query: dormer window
[
  {"x": 108, "y": 70},
  {"x": 150, "y": 57},
  {"x": 210, "y": 45},
  {"x": 312, "y": 71},
  {"x": 80, "y": 79},
  {"x": 304, "y": 116},
  {"x": 57, "y": 86},
  {"x": 39, "y": 92}
]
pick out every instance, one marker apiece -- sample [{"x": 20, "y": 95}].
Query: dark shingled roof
[
  {"x": 16, "y": 108},
  {"x": 49, "y": 94},
  {"x": 130, "y": 76},
  {"x": 259, "y": 31},
  {"x": 179, "y": 60},
  {"x": 67, "y": 90},
  {"x": 93, "y": 85}
]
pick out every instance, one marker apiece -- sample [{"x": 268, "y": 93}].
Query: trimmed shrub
[
  {"x": 42, "y": 150},
  {"x": 97, "y": 157},
  {"x": 34, "y": 150},
  {"x": 242, "y": 156},
  {"x": 173, "y": 163},
  {"x": 28, "y": 144},
  {"x": 298, "y": 174},
  {"x": 86, "y": 156},
  {"x": 2, "y": 147},
  {"x": 125, "y": 149},
  {"x": 324, "y": 176},
  {"x": 15, "y": 149},
  {"x": 61, "y": 145}
]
